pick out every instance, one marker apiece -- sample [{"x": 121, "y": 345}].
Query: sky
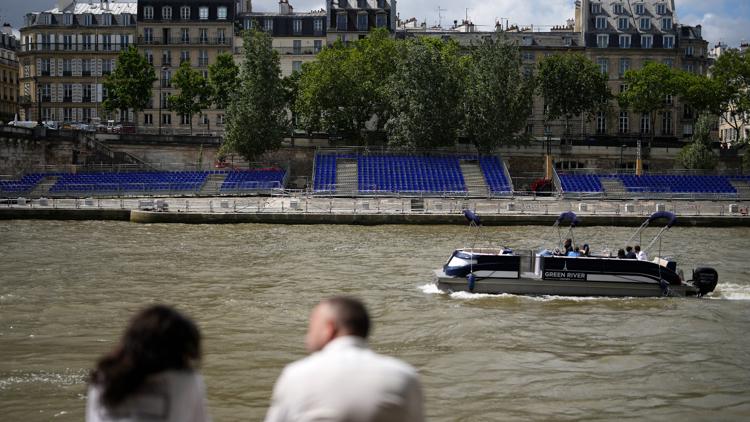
[{"x": 727, "y": 21}]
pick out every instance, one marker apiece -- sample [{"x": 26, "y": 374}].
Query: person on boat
[
  {"x": 621, "y": 253},
  {"x": 585, "y": 251},
  {"x": 150, "y": 375},
  {"x": 575, "y": 253},
  {"x": 641, "y": 255},
  {"x": 567, "y": 246},
  {"x": 629, "y": 254},
  {"x": 342, "y": 379}
]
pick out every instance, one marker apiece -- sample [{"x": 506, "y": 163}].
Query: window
[
  {"x": 204, "y": 35},
  {"x": 640, "y": 9},
  {"x": 622, "y": 24},
  {"x": 107, "y": 19},
  {"x": 381, "y": 4},
  {"x": 381, "y": 20},
  {"x": 661, "y": 8},
  {"x": 67, "y": 93},
  {"x": 45, "y": 92},
  {"x": 87, "y": 90},
  {"x": 124, "y": 41},
  {"x": 219, "y": 119},
  {"x": 624, "y": 66},
  {"x": 688, "y": 68},
  {"x": 668, "y": 41},
  {"x": 185, "y": 35},
  {"x": 647, "y": 41},
  {"x": 297, "y": 26},
  {"x": 601, "y": 22},
  {"x": 68, "y": 19},
  {"x": 107, "y": 42},
  {"x": 148, "y": 119},
  {"x": 362, "y": 22},
  {"x": 149, "y": 57},
  {"x": 86, "y": 66},
  {"x": 166, "y": 58},
  {"x": 166, "y": 118},
  {"x": 268, "y": 25},
  {"x": 184, "y": 119},
  {"x": 603, "y": 65},
  {"x": 184, "y": 12},
  {"x": 341, "y": 23},
  {"x": 625, "y": 41},
  {"x": 126, "y": 19},
  {"x": 203, "y": 13},
  {"x": 106, "y": 67},
  {"x": 297, "y": 47},
  {"x": 67, "y": 114},
  {"x": 645, "y": 24},
  {"x": 624, "y": 126},
  {"x": 601, "y": 123},
  {"x": 67, "y": 42},
  {"x": 148, "y": 12},
  {"x": 296, "y": 66},
  {"x": 645, "y": 123},
  {"x": 148, "y": 35},
  {"x": 46, "y": 42},
  {"x": 318, "y": 26},
  {"x": 184, "y": 56},
  {"x": 203, "y": 120},
  {"x": 247, "y": 24},
  {"x": 668, "y": 62},
  {"x": 166, "y": 13},
  {"x": 87, "y": 19},
  {"x": 67, "y": 67},
  {"x": 623, "y": 88},
  {"x": 46, "y": 67},
  {"x": 596, "y": 8},
  {"x": 689, "y": 51},
  {"x": 666, "y": 123},
  {"x": 602, "y": 40},
  {"x": 203, "y": 58},
  {"x": 668, "y": 99},
  {"x": 617, "y": 8},
  {"x": 166, "y": 79},
  {"x": 221, "y": 36},
  {"x": 666, "y": 24},
  {"x": 221, "y": 13}
]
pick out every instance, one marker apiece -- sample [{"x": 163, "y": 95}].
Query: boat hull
[{"x": 529, "y": 285}]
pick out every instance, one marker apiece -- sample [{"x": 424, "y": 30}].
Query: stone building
[
  {"x": 350, "y": 20},
  {"x": 8, "y": 74},
  {"x": 297, "y": 36},
  {"x": 170, "y": 32},
  {"x": 66, "y": 52}
]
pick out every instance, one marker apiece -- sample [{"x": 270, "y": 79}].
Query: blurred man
[{"x": 342, "y": 379}]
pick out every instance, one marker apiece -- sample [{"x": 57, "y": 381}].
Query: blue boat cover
[
  {"x": 568, "y": 216},
  {"x": 472, "y": 217},
  {"x": 663, "y": 214}
]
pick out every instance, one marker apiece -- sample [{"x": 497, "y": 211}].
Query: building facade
[
  {"x": 64, "y": 55},
  {"x": 171, "y": 32},
  {"x": 297, "y": 37},
  {"x": 350, "y": 20},
  {"x": 8, "y": 74}
]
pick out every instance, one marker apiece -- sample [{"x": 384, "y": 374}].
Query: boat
[{"x": 501, "y": 270}]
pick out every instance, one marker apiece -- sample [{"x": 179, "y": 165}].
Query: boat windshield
[{"x": 457, "y": 262}]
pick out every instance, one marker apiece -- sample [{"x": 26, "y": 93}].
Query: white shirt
[
  {"x": 641, "y": 256},
  {"x": 169, "y": 396},
  {"x": 346, "y": 381}
]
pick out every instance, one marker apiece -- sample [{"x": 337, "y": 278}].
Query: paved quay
[{"x": 373, "y": 211}]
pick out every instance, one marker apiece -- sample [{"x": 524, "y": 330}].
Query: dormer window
[
  {"x": 645, "y": 24},
  {"x": 87, "y": 19},
  {"x": 297, "y": 26},
  {"x": 268, "y": 25},
  {"x": 625, "y": 41},
  {"x": 45, "y": 19},
  {"x": 666, "y": 24},
  {"x": 617, "y": 8},
  {"x": 166, "y": 13},
  {"x": 596, "y": 8},
  {"x": 68, "y": 19},
  {"x": 381, "y": 4},
  {"x": 107, "y": 19},
  {"x": 148, "y": 12},
  {"x": 221, "y": 13},
  {"x": 362, "y": 4},
  {"x": 601, "y": 22},
  {"x": 668, "y": 41},
  {"x": 185, "y": 12},
  {"x": 622, "y": 24},
  {"x": 640, "y": 9},
  {"x": 661, "y": 9},
  {"x": 203, "y": 13}
]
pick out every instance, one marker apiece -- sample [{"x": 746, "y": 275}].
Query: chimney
[
  {"x": 284, "y": 8},
  {"x": 699, "y": 31},
  {"x": 7, "y": 29}
]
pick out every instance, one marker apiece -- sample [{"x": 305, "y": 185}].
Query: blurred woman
[{"x": 150, "y": 375}]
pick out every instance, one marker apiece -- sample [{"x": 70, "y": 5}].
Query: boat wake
[{"x": 731, "y": 291}]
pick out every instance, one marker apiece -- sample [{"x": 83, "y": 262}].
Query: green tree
[
  {"x": 571, "y": 85},
  {"x": 425, "y": 95},
  {"x": 732, "y": 73},
  {"x": 498, "y": 95},
  {"x": 194, "y": 94},
  {"x": 698, "y": 154},
  {"x": 256, "y": 115},
  {"x": 345, "y": 87},
  {"x": 223, "y": 79},
  {"x": 647, "y": 90},
  {"x": 129, "y": 85}
]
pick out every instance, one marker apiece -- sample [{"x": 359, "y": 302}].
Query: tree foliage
[
  {"x": 256, "y": 116},
  {"x": 647, "y": 90},
  {"x": 571, "y": 85},
  {"x": 498, "y": 95},
  {"x": 425, "y": 95},
  {"x": 698, "y": 154},
  {"x": 194, "y": 93},
  {"x": 129, "y": 84},
  {"x": 732, "y": 74},
  {"x": 223, "y": 79},
  {"x": 345, "y": 87}
]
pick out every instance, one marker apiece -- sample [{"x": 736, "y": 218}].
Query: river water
[{"x": 68, "y": 288}]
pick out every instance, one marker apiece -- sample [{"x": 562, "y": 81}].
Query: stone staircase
[
  {"x": 742, "y": 187},
  {"x": 346, "y": 177},
  {"x": 42, "y": 188},
  {"x": 212, "y": 185},
  {"x": 613, "y": 188},
  {"x": 474, "y": 178}
]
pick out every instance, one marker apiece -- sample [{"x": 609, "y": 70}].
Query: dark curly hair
[{"x": 158, "y": 338}]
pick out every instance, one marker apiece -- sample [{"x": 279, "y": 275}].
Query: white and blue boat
[{"x": 499, "y": 270}]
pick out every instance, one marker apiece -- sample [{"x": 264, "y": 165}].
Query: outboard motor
[{"x": 705, "y": 279}]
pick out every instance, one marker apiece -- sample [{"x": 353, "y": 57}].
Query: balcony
[
  {"x": 74, "y": 48},
  {"x": 185, "y": 41},
  {"x": 298, "y": 51},
  {"x": 166, "y": 83}
]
